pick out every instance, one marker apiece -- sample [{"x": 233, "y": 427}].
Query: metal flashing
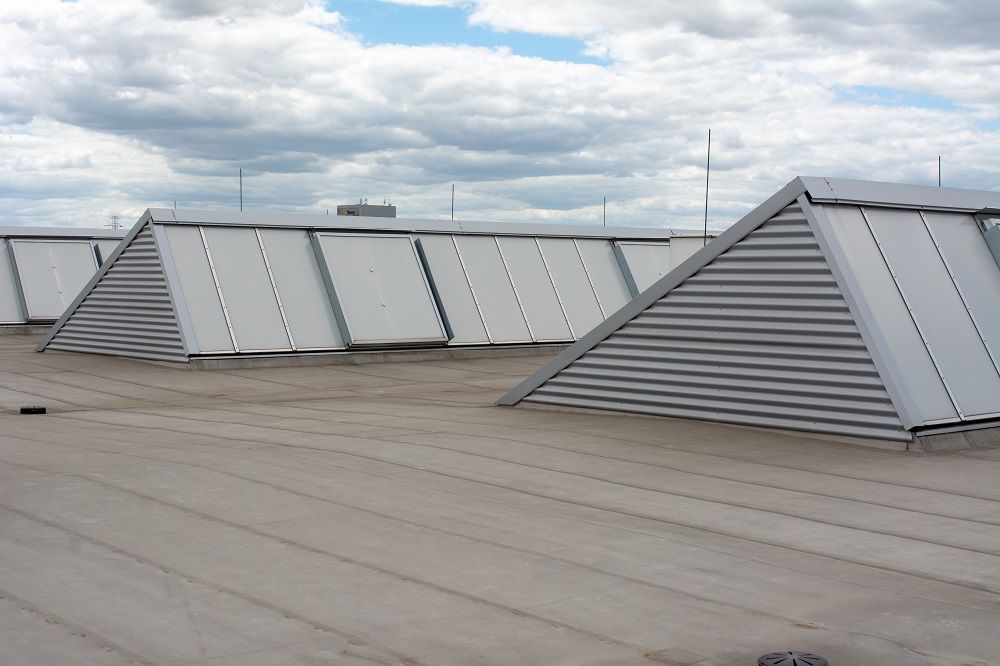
[
  {"x": 896, "y": 195},
  {"x": 401, "y": 225}
]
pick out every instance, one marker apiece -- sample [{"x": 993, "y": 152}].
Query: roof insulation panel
[
  {"x": 262, "y": 284},
  {"x": 842, "y": 307}
]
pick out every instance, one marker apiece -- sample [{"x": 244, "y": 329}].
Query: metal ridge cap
[
  {"x": 406, "y": 225},
  {"x": 897, "y": 195},
  {"x": 62, "y": 232}
]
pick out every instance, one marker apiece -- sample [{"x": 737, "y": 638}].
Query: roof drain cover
[{"x": 792, "y": 659}]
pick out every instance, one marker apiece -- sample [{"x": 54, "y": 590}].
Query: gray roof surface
[{"x": 388, "y": 514}]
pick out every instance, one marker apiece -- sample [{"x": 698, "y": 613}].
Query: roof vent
[{"x": 792, "y": 659}]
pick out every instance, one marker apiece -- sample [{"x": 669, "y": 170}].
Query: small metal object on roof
[
  {"x": 42, "y": 269},
  {"x": 367, "y": 210},
  {"x": 792, "y": 659},
  {"x": 33, "y": 409},
  {"x": 196, "y": 284},
  {"x": 841, "y": 307}
]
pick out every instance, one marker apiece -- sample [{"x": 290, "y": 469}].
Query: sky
[{"x": 535, "y": 109}]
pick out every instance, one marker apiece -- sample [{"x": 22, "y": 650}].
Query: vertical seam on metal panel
[
  {"x": 555, "y": 288},
  {"x": 517, "y": 297},
  {"x": 95, "y": 249},
  {"x": 13, "y": 279},
  {"x": 16, "y": 274},
  {"x": 427, "y": 286},
  {"x": 166, "y": 258},
  {"x": 274, "y": 288},
  {"x": 590, "y": 281},
  {"x": 315, "y": 240},
  {"x": 472, "y": 289},
  {"x": 425, "y": 264},
  {"x": 625, "y": 268},
  {"x": 958, "y": 289},
  {"x": 913, "y": 316},
  {"x": 218, "y": 288}
]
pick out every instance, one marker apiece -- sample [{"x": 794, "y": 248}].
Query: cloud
[{"x": 110, "y": 106}]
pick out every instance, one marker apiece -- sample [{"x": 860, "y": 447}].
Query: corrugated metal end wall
[
  {"x": 129, "y": 312},
  {"x": 760, "y": 336}
]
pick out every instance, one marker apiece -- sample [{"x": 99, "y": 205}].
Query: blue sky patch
[
  {"x": 892, "y": 97},
  {"x": 379, "y": 22}
]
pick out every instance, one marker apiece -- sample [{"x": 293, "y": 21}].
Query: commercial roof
[
  {"x": 42, "y": 269},
  {"x": 390, "y": 514},
  {"x": 838, "y": 306},
  {"x": 208, "y": 284}
]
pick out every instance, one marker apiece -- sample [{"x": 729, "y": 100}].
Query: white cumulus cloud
[{"x": 111, "y": 106}]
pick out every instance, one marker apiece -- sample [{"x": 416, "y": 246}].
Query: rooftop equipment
[
  {"x": 837, "y": 306},
  {"x": 189, "y": 284},
  {"x": 42, "y": 269},
  {"x": 366, "y": 210}
]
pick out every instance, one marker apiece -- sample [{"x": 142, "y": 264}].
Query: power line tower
[{"x": 114, "y": 224}]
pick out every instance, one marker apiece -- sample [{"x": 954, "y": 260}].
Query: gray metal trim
[
  {"x": 961, "y": 294},
  {"x": 52, "y": 233},
  {"x": 218, "y": 289},
  {"x": 849, "y": 288},
  {"x": 22, "y": 301},
  {"x": 274, "y": 288},
  {"x": 5, "y": 248},
  {"x": 132, "y": 233},
  {"x": 897, "y": 195},
  {"x": 438, "y": 301},
  {"x": 590, "y": 281},
  {"x": 322, "y": 223},
  {"x": 913, "y": 316},
  {"x": 427, "y": 288},
  {"x": 331, "y": 289},
  {"x": 472, "y": 289},
  {"x": 679, "y": 274},
  {"x": 97, "y": 252},
  {"x": 555, "y": 287},
  {"x": 172, "y": 279},
  {"x": 517, "y": 296},
  {"x": 626, "y": 270}
]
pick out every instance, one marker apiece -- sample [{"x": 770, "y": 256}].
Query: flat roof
[{"x": 389, "y": 513}]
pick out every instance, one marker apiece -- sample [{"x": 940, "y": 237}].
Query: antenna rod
[
  {"x": 241, "y": 190},
  {"x": 939, "y": 171},
  {"x": 453, "y": 201},
  {"x": 605, "y": 211},
  {"x": 708, "y": 166}
]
